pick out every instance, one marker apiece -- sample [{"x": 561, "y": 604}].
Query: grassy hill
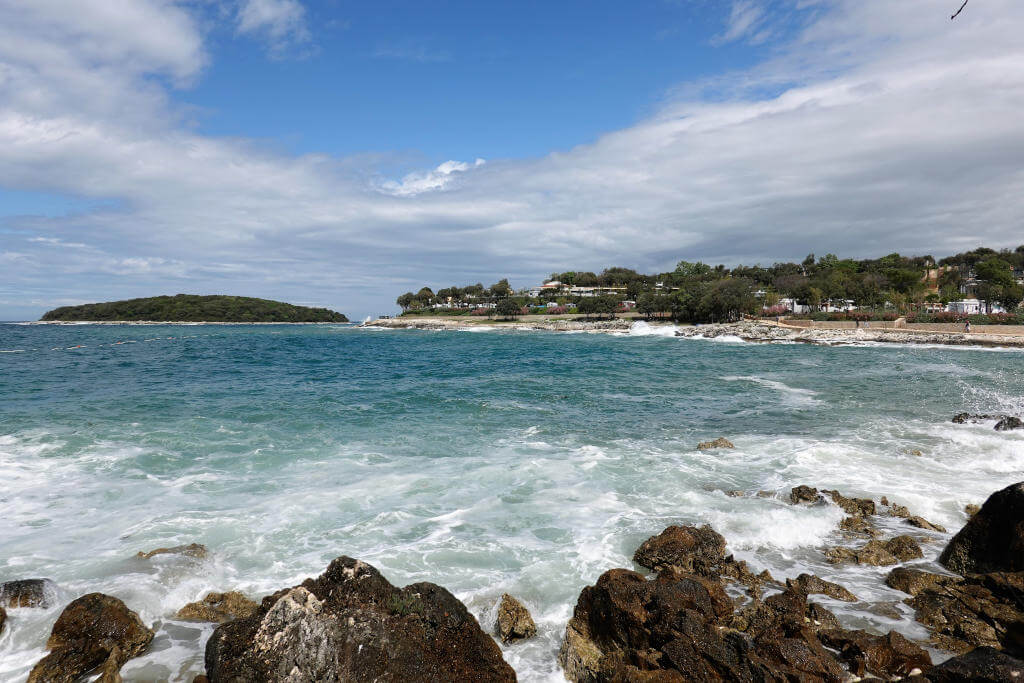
[{"x": 194, "y": 308}]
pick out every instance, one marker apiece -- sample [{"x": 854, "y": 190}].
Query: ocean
[{"x": 487, "y": 462}]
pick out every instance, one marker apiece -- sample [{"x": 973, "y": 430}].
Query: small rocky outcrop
[
  {"x": 877, "y": 553},
  {"x": 28, "y": 593},
  {"x": 855, "y": 507},
  {"x": 979, "y": 610},
  {"x": 922, "y": 523},
  {"x": 803, "y": 494},
  {"x": 690, "y": 549},
  {"x": 859, "y": 526},
  {"x": 3, "y": 619},
  {"x": 993, "y": 539},
  {"x": 981, "y": 665},
  {"x": 514, "y": 620},
  {"x": 809, "y": 584},
  {"x": 218, "y": 608},
  {"x": 720, "y": 442},
  {"x": 913, "y": 581},
  {"x": 890, "y": 655},
  {"x": 196, "y": 550},
  {"x": 971, "y": 509},
  {"x": 1008, "y": 423},
  {"x": 964, "y": 418},
  {"x": 94, "y": 632},
  {"x": 351, "y": 624}
]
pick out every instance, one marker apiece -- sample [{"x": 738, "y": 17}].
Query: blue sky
[{"x": 339, "y": 153}]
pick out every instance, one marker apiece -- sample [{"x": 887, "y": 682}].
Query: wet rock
[
  {"x": 979, "y": 610},
  {"x": 1008, "y": 423},
  {"x": 913, "y": 581},
  {"x": 218, "y": 608},
  {"x": 917, "y": 452},
  {"x": 981, "y": 665},
  {"x": 200, "y": 679},
  {"x": 629, "y": 628},
  {"x": 899, "y": 511},
  {"x": 993, "y": 539},
  {"x": 690, "y": 549},
  {"x": 803, "y": 494},
  {"x": 720, "y": 442},
  {"x": 3, "y": 619},
  {"x": 859, "y": 526},
  {"x": 922, "y": 523},
  {"x": 351, "y": 624},
  {"x": 95, "y": 631},
  {"x": 877, "y": 553},
  {"x": 856, "y": 507},
  {"x": 196, "y": 550},
  {"x": 809, "y": 584},
  {"x": 28, "y": 593},
  {"x": 970, "y": 509},
  {"x": 514, "y": 620},
  {"x": 963, "y": 418},
  {"x": 889, "y": 655},
  {"x": 735, "y": 493}
]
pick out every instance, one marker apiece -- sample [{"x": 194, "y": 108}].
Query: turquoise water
[{"x": 526, "y": 462}]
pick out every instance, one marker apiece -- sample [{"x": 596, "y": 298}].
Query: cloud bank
[{"x": 877, "y": 127}]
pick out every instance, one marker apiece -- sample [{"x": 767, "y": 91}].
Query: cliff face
[{"x": 194, "y": 308}]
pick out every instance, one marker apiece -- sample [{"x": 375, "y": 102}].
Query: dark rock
[
  {"x": 890, "y": 655},
  {"x": 218, "y": 608},
  {"x": 877, "y": 553},
  {"x": 196, "y": 550},
  {"x": 514, "y": 620},
  {"x": 970, "y": 509},
  {"x": 809, "y": 584},
  {"x": 28, "y": 593},
  {"x": 690, "y": 549},
  {"x": 720, "y": 442},
  {"x": 3, "y": 619},
  {"x": 963, "y": 418},
  {"x": 913, "y": 581},
  {"x": 899, "y": 511},
  {"x": 993, "y": 539},
  {"x": 351, "y": 624},
  {"x": 981, "y": 665},
  {"x": 922, "y": 523},
  {"x": 803, "y": 494},
  {"x": 857, "y": 507},
  {"x": 859, "y": 526},
  {"x": 201, "y": 679},
  {"x": 978, "y": 610},
  {"x": 1008, "y": 423},
  {"x": 95, "y": 631}
]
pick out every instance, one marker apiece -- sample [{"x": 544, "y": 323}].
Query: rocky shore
[
  {"x": 745, "y": 330},
  {"x": 693, "y": 612}
]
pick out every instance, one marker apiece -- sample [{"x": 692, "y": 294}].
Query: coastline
[
  {"x": 758, "y": 331},
  {"x": 160, "y": 322}
]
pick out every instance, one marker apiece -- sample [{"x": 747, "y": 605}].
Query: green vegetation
[
  {"x": 893, "y": 285},
  {"x": 194, "y": 308},
  {"x": 507, "y": 308}
]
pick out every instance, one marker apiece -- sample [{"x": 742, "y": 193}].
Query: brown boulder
[
  {"x": 196, "y": 550},
  {"x": 993, "y": 539},
  {"x": 94, "y": 631},
  {"x": 1008, "y": 423},
  {"x": 3, "y": 619},
  {"x": 889, "y": 655},
  {"x": 28, "y": 593},
  {"x": 514, "y": 620},
  {"x": 877, "y": 553},
  {"x": 857, "y": 507},
  {"x": 803, "y": 494},
  {"x": 981, "y": 665},
  {"x": 913, "y": 581},
  {"x": 351, "y": 624},
  {"x": 922, "y": 523},
  {"x": 858, "y": 526},
  {"x": 720, "y": 442},
  {"x": 809, "y": 584},
  {"x": 687, "y": 548},
  {"x": 218, "y": 608}
]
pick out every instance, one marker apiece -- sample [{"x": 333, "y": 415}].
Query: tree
[
  {"x": 507, "y": 309},
  {"x": 501, "y": 288},
  {"x": 425, "y": 295},
  {"x": 587, "y": 305},
  {"x": 405, "y": 300},
  {"x": 727, "y": 300}
]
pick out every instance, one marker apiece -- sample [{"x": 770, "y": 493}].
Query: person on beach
[{"x": 967, "y": 327}]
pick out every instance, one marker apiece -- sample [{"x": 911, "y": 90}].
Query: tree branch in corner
[{"x": 960, "y": 10}]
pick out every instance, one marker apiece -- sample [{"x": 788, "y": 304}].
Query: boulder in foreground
[
  {"x": 351, "y": 624},
  {"x": 514, "y": 620},
  {"x": 981, "y": 665},
  {"x": 993, "y": 539},
  {"x": 218, "y": 608},
  {"x": 196, "y": 550},
  {"x": 96, "y": 631},
  {"x": 720, "y": 442}
]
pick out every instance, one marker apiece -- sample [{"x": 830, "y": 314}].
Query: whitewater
[{"x": 520, "y": 462}]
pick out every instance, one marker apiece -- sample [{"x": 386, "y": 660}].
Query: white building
[{"x": 971, "y": 307}]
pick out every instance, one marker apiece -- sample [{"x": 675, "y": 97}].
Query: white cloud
[
  {"x": 281, "y": 22},
  {"x": 746, "y": 18},
  {"x": 889, "y": 128}
]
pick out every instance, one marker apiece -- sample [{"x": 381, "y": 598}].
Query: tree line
[{"x": 195, "y": 308}]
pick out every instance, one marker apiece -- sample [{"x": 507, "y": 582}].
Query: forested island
[{"x": 196, "y": 308}]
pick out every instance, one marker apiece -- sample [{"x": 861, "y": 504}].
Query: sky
[{"x": 337, "y": 153}]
